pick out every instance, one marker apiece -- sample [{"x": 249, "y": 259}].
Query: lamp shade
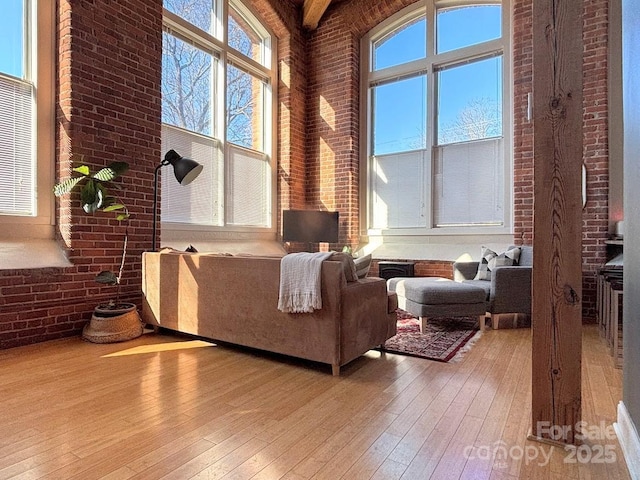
[{"x": 185, "y": 169}]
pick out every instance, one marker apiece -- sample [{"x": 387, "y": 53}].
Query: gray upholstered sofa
[{"x": 508, "y": 290}]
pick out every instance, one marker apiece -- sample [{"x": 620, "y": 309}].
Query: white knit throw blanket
[{"x": 300, "y": 285}]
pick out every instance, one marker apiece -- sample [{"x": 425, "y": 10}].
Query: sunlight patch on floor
[{"x": 161, "y": 347}]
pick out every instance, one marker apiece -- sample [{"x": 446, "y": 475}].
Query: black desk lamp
[{"x": 185, "y": 170}]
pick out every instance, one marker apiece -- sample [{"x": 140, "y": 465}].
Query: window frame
[
  {"x": 217, "y": 43},
  {"x": 431, "y": 65},
  {"x": 41, "y": 59}
]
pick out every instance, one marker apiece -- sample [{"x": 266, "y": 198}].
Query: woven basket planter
[{"x": 113, "y": 325}]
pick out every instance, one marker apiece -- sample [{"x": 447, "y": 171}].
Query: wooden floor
[{"x": 171, "y": 407}]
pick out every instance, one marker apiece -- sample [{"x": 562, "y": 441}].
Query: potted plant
[{"x": 114, "y": 321}]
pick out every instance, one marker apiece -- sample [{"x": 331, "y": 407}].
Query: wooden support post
[{"x": 557, "y": 265}]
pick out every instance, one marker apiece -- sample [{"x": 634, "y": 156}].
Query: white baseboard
[{"x": 629, "y": 441}]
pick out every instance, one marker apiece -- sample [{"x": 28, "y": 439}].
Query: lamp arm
[{"x": 155, "y": 202}]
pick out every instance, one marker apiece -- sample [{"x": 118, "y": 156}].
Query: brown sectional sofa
[{"x": 234, "y": 299}]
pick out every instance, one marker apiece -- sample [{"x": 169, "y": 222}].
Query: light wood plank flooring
[{"x": 171, "y": 407}]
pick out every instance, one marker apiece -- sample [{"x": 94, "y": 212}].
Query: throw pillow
[
  {"x": 363, "y": 264},
  {"x": 490, "y": 260},
  {"x": 348, "y": 266}
]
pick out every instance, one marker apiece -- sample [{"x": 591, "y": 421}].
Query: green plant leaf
[
  {"x": 122, "y": 216},
  {"x": 107, "y": 278},
  {"x": 113, "y": 207},
  {"x": 114, "y": 170},
  {"x": 66, "y": 186},
  {"x": 91, "y": 196},
  {"x": 83, "y": 169}
]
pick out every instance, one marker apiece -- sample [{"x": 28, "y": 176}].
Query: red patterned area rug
[{"x": 444, "y": 340}]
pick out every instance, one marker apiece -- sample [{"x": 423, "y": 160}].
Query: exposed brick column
[
  {"x": 522, "y": 128},
  {"x": 285, "y": 21},
  {"x": 109, "y": 110},
  {"x": 595, "y": 218}
]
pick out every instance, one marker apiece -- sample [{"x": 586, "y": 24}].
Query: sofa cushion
[
  {"x": 490, "y": 260},
  {"x": 436, "y": 291},
  {"x": 526, "y": 256},
  {"x": 483, "y": 284},
  {"x": 363, "y": 264}
]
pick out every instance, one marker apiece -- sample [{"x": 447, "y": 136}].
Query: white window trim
[
  {"x": 40, "y": 226},
  {"x": 178, "y": 232},
  {"x": 405, "y": 15}
]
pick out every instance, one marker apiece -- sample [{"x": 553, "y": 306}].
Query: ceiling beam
[{"x": 312, "y": 12}]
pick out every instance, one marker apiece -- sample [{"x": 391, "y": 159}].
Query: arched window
[
  {"x": 436, "y": 83},
  {"x": 217, "y": 97}
]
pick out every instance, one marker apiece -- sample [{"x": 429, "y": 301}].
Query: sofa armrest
[
  {"x": 366, "y": 322},
  {"x": 510, "y": 290},
  {"x": 464, "y": 270}
]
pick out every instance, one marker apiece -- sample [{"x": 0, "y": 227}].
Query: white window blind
[
  {"x": 249, "y": 188},
  {"x": 469, "y": 187},
  {"x": 17, "y": 169},
  {"x": 200, "y": 202},
  {"x": 398, "y": 186}
]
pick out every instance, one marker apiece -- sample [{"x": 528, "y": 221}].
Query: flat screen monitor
[{"x": 311, "y": 226}]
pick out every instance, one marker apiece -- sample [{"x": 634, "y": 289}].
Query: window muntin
[
  {"x": 463, "y": 131},
  {"x": 401, "y": 45},
  {"x": 458, "y": 27},
  {"x": 470, "y": 113},
  {"x": 219, "y": 95}
]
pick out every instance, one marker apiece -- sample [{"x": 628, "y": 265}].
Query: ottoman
[{"x": 426, "y": 297}]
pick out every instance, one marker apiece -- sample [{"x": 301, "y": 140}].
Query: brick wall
[
  {"x": 285, "y": 22},
  {"x": 522, "y": 129}
]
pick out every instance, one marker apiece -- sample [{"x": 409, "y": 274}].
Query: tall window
[
  {"x": 437, "y": 129},
  {"x": 26, "y": 118},
  {"x": 217, "y": 97}
]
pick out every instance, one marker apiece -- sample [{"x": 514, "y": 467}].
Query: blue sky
[
  {"x": 11, "y": 26},
  {"x": 400, "y": 108}
]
